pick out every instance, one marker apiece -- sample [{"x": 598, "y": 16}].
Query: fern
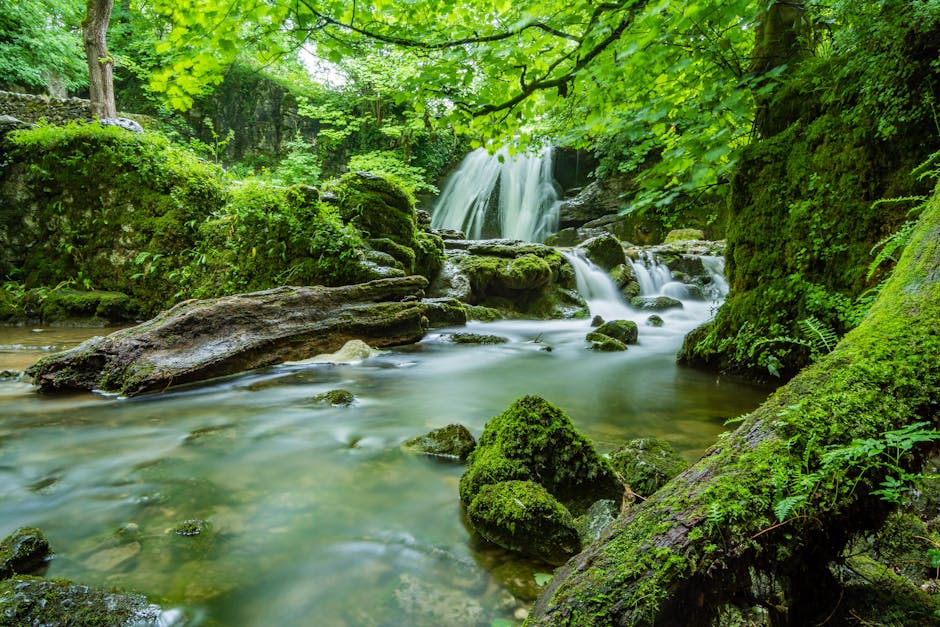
[
  {"x": 822, "y": 337},
  {"x": 891, "y": 246}
]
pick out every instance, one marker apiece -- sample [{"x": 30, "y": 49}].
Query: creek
[{"x": 315, "y": 514}]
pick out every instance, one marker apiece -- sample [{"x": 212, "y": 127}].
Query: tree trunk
[
  {"x": 100, "y": 62},
  {"x": 713, "y": 538}
]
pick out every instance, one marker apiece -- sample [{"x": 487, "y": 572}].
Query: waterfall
[
  {"x": 526, "y": 207},
  {"x": 597, "y": 288},
  {"x": 715, "y": 266},
  {"x": 652, "y": 274}
]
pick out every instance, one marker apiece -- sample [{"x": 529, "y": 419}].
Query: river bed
[{"x": 315, "y": 514}]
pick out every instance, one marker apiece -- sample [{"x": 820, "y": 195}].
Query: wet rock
[
  {"x": 113, "y": 559},
  {"x": 655, "y": 303},
  {"x": 198, "y": 340},
  {"x": 596, "y": 321},
  {"x": 605, "y": 251},
  {"x": 32, "y": 601},
  {"x": 522, "y": 516},
  {"x": 519, "y": 577},
  {"x": 336, "y": 398},
  {"x": 74, "y": 308},
  {"x": 352, "y": 351},
  {"x": 604, "y": 343},
  {"x": 655, "y": 321},
  {"x": 451, "y": 442},
  {"x": 24, "y": 551},
  {"x": 647, "y": 464},
  {"x": 444, "y": 312},
  {"x": 476, "y": 338},
  {"x": 192, "y": 527},
  {"x": 427, "y": 604},
  {"x": 595, "y": 520},
  {"x": 450, "y": 234},
  {"x": 624, "y": 277}
]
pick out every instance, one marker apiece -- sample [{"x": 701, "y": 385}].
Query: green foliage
[
  {"x": 389, "y": 163},
  {"x": 267, "y": 236},
  {"x": 40, "y": 44},
  {"x": 300, "y": 166}
]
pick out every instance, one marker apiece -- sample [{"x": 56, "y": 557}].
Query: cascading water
[
  {"x": 526, "y": 207},
  {"x": 652, "y": 274}
]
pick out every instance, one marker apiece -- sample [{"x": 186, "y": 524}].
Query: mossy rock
[
  {"x": 66, "y": 307},
  {"x": 624, "y": 330},
  {"x": 376, "y": 206},
  {"x": 404, "y": 255},
  {"x": 22, "y": 552},
  {"x": 534, "y": 440},
  {"x": 655, "y": 303},
  {"x": 451, "y": 442},
  {"x": 624, "y": 277},
  {"x": 655, "y": 321},
  {"x": 683, "y": 235},
  {"x": 523, "y": 516},
  {"x": 33, "y": 601},
  {"x": 604, "y": 343},
  {"x": 592, "y": 523},
  {"x": 647, "y": 464},
  {"x": 605, "y": 251},
  {"x": 336, "y": 398},
  {"x": 483, "y": 314}
]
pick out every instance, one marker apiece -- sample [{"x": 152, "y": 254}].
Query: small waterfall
[
  {"x": 718, "y": 288},
  {"x": 597, "y": 288},
  {"x": 652, "y": 274},
  {"x": 527, "y": 203}
]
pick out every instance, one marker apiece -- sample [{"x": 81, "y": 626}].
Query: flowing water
[
  {"x": 500, "y": 195},
  {"x": 316, "y": 516}
]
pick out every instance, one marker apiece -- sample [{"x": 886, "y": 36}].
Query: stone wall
[{"x": 32, "y": 108}]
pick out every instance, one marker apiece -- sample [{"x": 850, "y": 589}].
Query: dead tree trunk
[
  {"x": 757, "y": 519},
  {"x": 100, "y": 62}
]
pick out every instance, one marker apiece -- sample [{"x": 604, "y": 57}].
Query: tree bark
[
  {"x": 100, "y": 62},
  {"x": 712, "y": 539}
]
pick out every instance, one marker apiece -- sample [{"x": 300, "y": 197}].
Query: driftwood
[
  {"x": 755, "y": 523},
  {"x": 198, "y": 340}
]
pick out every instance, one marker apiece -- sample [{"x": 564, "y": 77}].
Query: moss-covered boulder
[
  {"x": 335, "y": 398},
  {"x": 624, "y": 277},
  {"x": 33, "y": 601},
  {"x": 683, "y": 235},
  {"x": 514, "y": 278},
  {"x": 523, "y": 516},
  {"x": 624, "y": 330},
  {"x": 451, "y": 442},
  {"x": 604, "y": 343},
  {"x": 476, "y": 338},
  {"x": 98, "y": 204},
  {"x": 535, "y": 441},
  {"x": 24, "y": 551},
  {"x": 647, "y": 464},
  {"x": 604, "y": 250}
]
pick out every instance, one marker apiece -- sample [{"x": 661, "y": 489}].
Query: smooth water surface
[{"x": 317, "y": 517}]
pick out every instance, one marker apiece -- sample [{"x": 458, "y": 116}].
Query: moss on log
[{"x": 757, "y": 519}]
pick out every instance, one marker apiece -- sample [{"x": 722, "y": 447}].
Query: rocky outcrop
[
  {"x": 198, "y": 340},
  {"x": 24, "y": 551},
  {"x": 514, "y": 277},
  {"x": 453, "y": 442}
]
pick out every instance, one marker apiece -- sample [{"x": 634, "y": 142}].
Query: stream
[{"x": 315, "y": 514}]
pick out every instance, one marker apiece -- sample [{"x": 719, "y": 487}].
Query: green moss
[
  {"x": 485, "y": 314},
  {"x": 534, "y": 440},
  {"x": 452, "y": 442},
  {"x": 682, "y": 235},
  {"x": 624, "y": 330},
  {"x": 95, "y": 308},
  {"x": 476, "y": 338},
  {"x": 376, "y": 206},
  {"x": 523, "y": 516},
  {"x": 336, "y": 398},
  {"x": 23, "y": 551},
  {"x": 604, "y": 343},
  {"x": 33, "y": 601}
]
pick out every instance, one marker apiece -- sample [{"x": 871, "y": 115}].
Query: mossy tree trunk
[
  {"x": 713, "y": 538},
  {"x": 100, "y": 62}
]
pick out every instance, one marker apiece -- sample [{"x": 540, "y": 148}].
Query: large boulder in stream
[
  {"x": 198, "y": 340},
  {"x": 532, "y": 454}
]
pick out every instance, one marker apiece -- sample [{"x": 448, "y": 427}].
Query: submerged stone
[
  {"x": 522, "y": 516},
  {"x": 24, "y": 551},
  {"x": 476, "y": 338},
  {"x": 451, "y": 442},
  {"x": 647, "y": 464},
  {"x": 336, "y": 398},
  {"x": 28, "y": 600}
]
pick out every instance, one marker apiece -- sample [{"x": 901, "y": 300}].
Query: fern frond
[
  {"x": 890, "y": 245},
  {"x": 822, "y": 336}
]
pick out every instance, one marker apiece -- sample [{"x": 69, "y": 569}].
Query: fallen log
[
  {"x": 755, "y": 523},
  {"x": 202, "y": 339}
]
